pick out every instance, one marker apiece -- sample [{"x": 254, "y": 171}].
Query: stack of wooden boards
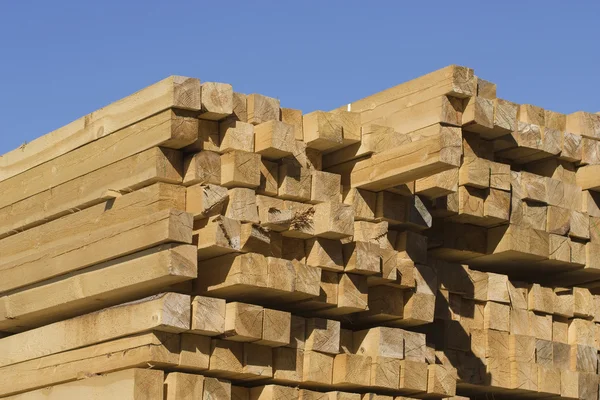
[{"x": 189, "y": 241}]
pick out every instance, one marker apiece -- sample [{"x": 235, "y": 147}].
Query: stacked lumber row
[
  {"x": 513, "y": 338},
  {"x": 220, "y": 238},
  {"x": 169, "y": 196},
  {"x": 508, "y": 172},
  {"x": 233, "y": 341}
]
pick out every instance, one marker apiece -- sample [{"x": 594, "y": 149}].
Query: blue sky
[{"x": 62, "y": 59}]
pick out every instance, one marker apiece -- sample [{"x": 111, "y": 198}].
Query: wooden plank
[
  {"x": 129, "y": 384},
  {"x": 132, "y": 173},
  {"x": 409, "y": 162},
  {"x": 202, "y": 168},
  {"x": 452, "y": 80},
  {"x": 217, "y": 235},
  {"x": 276, "y": 328},
  {"x": 173, "y": 92},
  {"x": 235, "y": 135},
  {"x": 158, "y": 349},
  {"x": 240, "y": 169},
  {"x": 106, "y": 284},
  {"x": 217, "y": 100},
  {"x": 159, "y": 130},
  {"x": 144, "y": 218},
  {"x": 294, "y": 118},
  {"x": 205, "y": 200},
  {"x": 274, "y": 139},
  {"x": 486, "y": 89},
  {"x": 294, "y": 181},
  {"x": 178, "y": 386},
  {"x": 588, "y": 177},
  {"x": 351, "y": 371},
  {"x": 166, "y": 312},
  {"x": 262, "y": 108},
  {"x": 438, "y": 185},
  {"x": 273, "y": 392},
  {"x": 208, "y": 316},
  {"x": 322, "y": 335},
  {"x": 243, "y": 322},
  {"x": 217, "y": 389},
  {"x": 232, "y": 276},
  {"x": 584, "y": 124},
  {"x": 441, "y": 110}
]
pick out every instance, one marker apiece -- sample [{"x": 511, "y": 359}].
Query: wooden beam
[
  {"x": 240, "y": 169},
  {"x": 322, "y": 335},
  {"x": 166, "y": 312},
  {"x": 172, "y": 92},
  {"x": 409, "y": 162},
  {"x": 235, "y": 135},
  {"x": 452, "y": 80},
  {"x": 202, "y": 168},
  {"x": 584, "y": 124},
  {"x": 107, "y": 284},
  {"x": 179, "y": 385},
  {"x": 243, "y": 322},
  {"x": 274, "y": 139},
  {"x": 159, "y": 130},
  {"x": 208, "y": 316},
  {"x": 132, "y": 173},
  {"x": 217, "y": 100},
  {"x": 159, "y": 349},
  {"x": 203, "y": 201},
  {"x": 129, "y": 384},
  {"x": 262, "y": 108}
]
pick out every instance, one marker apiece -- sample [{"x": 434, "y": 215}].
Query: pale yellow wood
[
  {"x": 175, "y": 91},
  {"x": 208, "y": 316},
  {"x": 135, "y": 172},
  {"x": 584, "y": 124},
  {"x": 452, "y": 80},
  {"x": 179, "y": 386},
  {"x": 240, "y": 169},
  {"x": 157, "y": 130},
  {"x": 351, "y": 370},
  {"x": 274, "y": 139},
  {"x": 217, "y": 235},
  {"x": 276, "y": 328},
  {"x": 113, "y": 282},
  {"x": 317, "y": 368},
  {"x": 205, "y": 200},
  {"x": 269, "y": 178},
  {"x": 262, "y": 108},
  {"x": 409, "y": 162},
  {"x": 203, "y": 168},
  {"x": 235, "y": 135},
  {"x": 161, "y": 350},
  {"x": 168, "y": 312},
  {"x": 232, "y": 274},
  {"x": 129, "y": 384},
  {"x": 294, "y": 118},
  {"x": 243, "y": 322},
  {"x": 155, "y": 208},
  {"x": 217, "y": 100},
  {"x": 322, "y": 335}
]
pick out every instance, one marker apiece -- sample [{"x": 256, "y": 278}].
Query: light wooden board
[
  {"x": 147, "y": 217},
  {"x": 174, "y": 91},
  {"x": 160, "y": 350},
  {"x": 133, "y": 173},
  {"x": 168, "y": 312},
  {"x": 113, "y": 282},
  {"x": 129, "y": 384},
  {"x": 162, "y": 129}
]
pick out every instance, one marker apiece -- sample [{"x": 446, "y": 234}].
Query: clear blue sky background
[{"x": 62, "y": 59}]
